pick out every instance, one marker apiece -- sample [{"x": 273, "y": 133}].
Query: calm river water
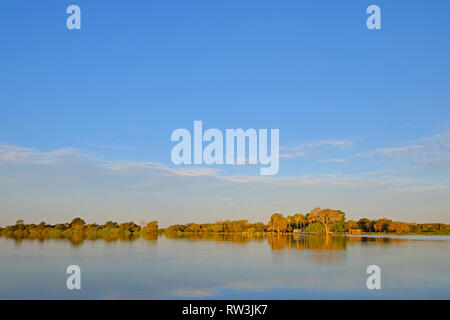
[{"x": 228, "y": 267}]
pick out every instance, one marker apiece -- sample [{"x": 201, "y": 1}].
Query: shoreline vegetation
[{"x": 317, "y": 221}]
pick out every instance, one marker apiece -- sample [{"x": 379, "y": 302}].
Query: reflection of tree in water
[
  {"x": 150, "y": 236},
  {"x": 378, "y": 240},
  {"x": 219, "y": 237},
  {"x": 322, "y": 249},
  {"x": 314, "y": 242},
  {"x": 311, "y": 242},
  {"x": 77, "y": 238}
]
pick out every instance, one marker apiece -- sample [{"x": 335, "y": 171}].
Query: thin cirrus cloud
[
  {"x": 316, "y": 147},
  {"x": 100, "y": 145},
  {"x": 21, "y": 155},
  {"x": 68, "y": 182},
  {"x": 334, "y": 160},
  {"x": 429, "y": 153},
  {"x": 78, "y": 158},
  {"x": 292, "y": 155},
  {"x": 147, "y": 173}
]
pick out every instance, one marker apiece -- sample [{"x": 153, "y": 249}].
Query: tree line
[
  {"x": 317, "y": 221},
  {"x": 79, "y": 227}
]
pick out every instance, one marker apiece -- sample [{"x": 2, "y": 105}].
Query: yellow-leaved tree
[
  {"x": 277, "y": 223},
  {"x": 326, "y": 217}
]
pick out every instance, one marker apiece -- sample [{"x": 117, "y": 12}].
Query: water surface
[{"x": 227, "y": 267}]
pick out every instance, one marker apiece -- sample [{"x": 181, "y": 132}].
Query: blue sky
[{"x": 86, "y": 115}]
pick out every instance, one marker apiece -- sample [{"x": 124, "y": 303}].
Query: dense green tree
[
  {"x": 218, "y": 227},
  {"x": 290, "y": 221},
  {"x": 365, "y": 225},
  {"x": 327, "y": 217},
  {"x": 382, "y": 225},
  {"x": 129, "y": 227},
  {"x": 41, "y": 226},
  {"x": 259, "y": 227},
  {"x": 151, "y": 227},
  {"x": 78, "y": 221},
  {"x": 398, "y": 227},
  {"x": 111, "y": 224},
  {"x": 193, "y": 227},
  {"x": 315, "y": 227},
  {"x": 176, "y": 228},
  {"x": 300, "y": 220},
  {"x": 277, "y": 223},
  {"x": 351, "y": 225}
]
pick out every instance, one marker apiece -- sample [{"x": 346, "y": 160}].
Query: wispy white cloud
[
  {"x": 76, "y": 157},
  {"x": 292, "y": 155},
  {"x": 100, "y": 145},
  {"x": 396, "y": 151},
  {"x": 345, "y": 143},
  {"x": 125, "y": 166},
  {"x": 68, "y": 179},
  {"x": 14, "y": 154},
  {"x": 315, "y": 146},
  {"x": 334, "y": 160},
  {"x": 429, "y": 153}
]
